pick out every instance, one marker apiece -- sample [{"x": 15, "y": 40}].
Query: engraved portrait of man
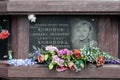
[{"x": 82, "y": 33}]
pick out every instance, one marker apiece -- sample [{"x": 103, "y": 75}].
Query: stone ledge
[
  {"x": 63, "y": 0},
  {"x": 58, "y": 6},
  {"x": 39, "y": 71},
  {"x": 61, "y": 6}
]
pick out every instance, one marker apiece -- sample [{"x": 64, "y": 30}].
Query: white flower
[
  {"x": 93, "y": 43},
  {"x": 51, "y": 48},
  {"x": 32, "y": 18}
]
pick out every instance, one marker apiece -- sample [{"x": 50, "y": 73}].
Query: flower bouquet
[
  {"x": 74, "y": 60},
  {"x": 64, "y": 59}
]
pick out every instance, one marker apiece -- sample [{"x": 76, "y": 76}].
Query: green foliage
[
  {"x": 79, "y": 65},
  {"x": 90, "y": 53},
  {"x": 46, "y": 57},
  {"x": 35, "y": 48},
  {"x": 51, "y": 65}
]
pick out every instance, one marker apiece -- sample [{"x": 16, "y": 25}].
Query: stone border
[
  {"x": 59, "y": 7},
  {"x": 39, "y": 71}
]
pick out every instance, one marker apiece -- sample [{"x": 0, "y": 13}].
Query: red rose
[
  {"x": 41, "y": 58},
  {"x": 77, "y": 53},
  {"x": 100, "y": 60},
  {"x": 4, "y": 34}
]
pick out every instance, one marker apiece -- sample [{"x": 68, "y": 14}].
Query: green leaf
[
  {"x": 53, "y": 53},
  {"x": 66, "y": 63},
  {"x": 30, "y": 55},
  {"x": 39, "y": 49},
  {"x": 107, "y": 56},
  {"x": 42, "y": 51},
  {"x": 34, "y": 47},
  {"x": 68, "y": 57},
  {"x": 51, "y": 65},
  {"x": 82, "y": 65},
  {"x": 46, "y": 57},
  {"x": 63, "y": 56},
  {"x": 77, "y": 64}
]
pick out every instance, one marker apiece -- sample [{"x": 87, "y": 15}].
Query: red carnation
[
  {"x": 77, "y": 53},
  {"x": 100, "y": 60},
  {"x": 4, "y": 34}
]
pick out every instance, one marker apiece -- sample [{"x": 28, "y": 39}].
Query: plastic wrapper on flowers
[{"x": 21, "y": 62}]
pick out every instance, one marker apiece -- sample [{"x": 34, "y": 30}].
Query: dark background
[{"x": 4, "y": 44}]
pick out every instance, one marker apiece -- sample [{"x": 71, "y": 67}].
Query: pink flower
[
  {"x": 65, "y": 52},
  {"x": 60, "y": 53},
  {"x": 69, "y": 52},
  {"x": 61, "y": 68},
  {"x": 41, "y": 58},
  {"x": 58, "y": 60}
]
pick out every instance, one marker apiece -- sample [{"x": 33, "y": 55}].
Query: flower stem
[{"x": 0, "y": 28}]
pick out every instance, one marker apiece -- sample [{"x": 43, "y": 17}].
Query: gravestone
[{"x": 62, "y": 31}]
